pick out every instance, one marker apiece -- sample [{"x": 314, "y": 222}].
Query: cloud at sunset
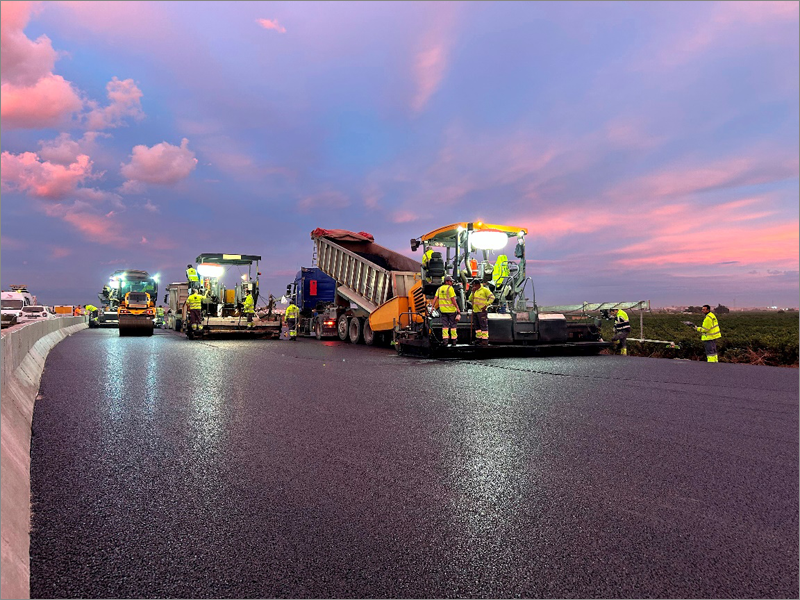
[
  {"x": 124, "y": 101},
  {"x": 26, "y": 172},
  {"x": 162, "y": 164},
  {"x": 271, "y": 24}
]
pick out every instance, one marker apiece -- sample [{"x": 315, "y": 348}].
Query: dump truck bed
[{"x": 366, "y": 273}]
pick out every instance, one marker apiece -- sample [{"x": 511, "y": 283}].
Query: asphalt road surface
[{"x": 163, "y": 467}]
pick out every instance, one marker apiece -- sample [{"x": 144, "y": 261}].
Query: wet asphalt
[{"x": 163, "y": 467}]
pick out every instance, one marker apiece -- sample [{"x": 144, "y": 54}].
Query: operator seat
[{"x": 436, "y": 268}]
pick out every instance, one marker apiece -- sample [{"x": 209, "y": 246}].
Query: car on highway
[{"x": 35, "y": 313}]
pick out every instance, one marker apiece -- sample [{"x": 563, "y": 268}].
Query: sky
[{"x": 651, "y": 149}]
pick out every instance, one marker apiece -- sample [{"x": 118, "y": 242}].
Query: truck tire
[
  {"x": 356, "y": 329},
  {"x": 370, "y": 337},
  {"x": 318, "y": 330},
  {"x": 341, "y": 328}
]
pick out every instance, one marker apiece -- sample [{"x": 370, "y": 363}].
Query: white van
[{"x": 12, "y": 303}]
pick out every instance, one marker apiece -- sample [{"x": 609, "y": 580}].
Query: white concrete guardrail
[{"x": 24, "y": 351}]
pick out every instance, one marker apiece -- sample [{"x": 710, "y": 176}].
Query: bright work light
[
  {"x": 488, "y": 239},
  {"x": 210, "y": 270}
]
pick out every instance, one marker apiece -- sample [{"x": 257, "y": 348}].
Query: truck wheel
[
  {"x": 341, "y": 328},
  {"x": 355, "y": 330},
  {"x": 318, "y": 330},
  {"x": 370, "y": 337}
]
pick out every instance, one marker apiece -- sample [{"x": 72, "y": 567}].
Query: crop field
[{"x": 760, "y": 338}]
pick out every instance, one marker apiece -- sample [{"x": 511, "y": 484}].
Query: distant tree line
[{"x": 720, "y": 310}]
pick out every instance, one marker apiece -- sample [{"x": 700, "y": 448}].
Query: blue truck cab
[{"x": 314, "y": 293}]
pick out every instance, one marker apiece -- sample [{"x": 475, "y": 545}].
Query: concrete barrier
[{"x": 25, "y": 348}]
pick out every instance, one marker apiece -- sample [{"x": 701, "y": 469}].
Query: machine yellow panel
[
  {"x": 388, "y": 314},
  {"x": 230, "y": 296}
]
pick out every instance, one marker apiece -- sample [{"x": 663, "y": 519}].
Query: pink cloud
[
  {"x": 22, "y": 61},
  {"x": 25, "y": 172},
  {"x": 679, "y": 180},
  {"x": 125, "y": 101},
  {"x": 47, "y": 103},
  {"x": 59, "y": 252},
  {"x": 327, "y": 200},
  {"x": 432, "y": 57},
  {"x": 163, "y": 164},
  {"x": 96, "y": 228},
  {"x": 63, "y": 150},
  {"x": 404, "y": 216},
  {"x": 271, "y": 24}
]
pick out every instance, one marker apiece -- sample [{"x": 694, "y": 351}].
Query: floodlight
[
  {"x": 489, "y": 239},
  {"x": 210, "y": 270}
]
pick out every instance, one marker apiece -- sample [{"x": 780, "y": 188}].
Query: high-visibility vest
[
  {"x": 195, "y": 302},
  {"x": 191, "y": 274},
  {"x": 710, "y": 328},
  {"x": 427, "y": 257},
  {"x": 481, "y": 299},
  {"x": 249, "y": 304},
  {"x": 473, "y": 267},
  {"x": 160, "y": 311},
  {"x": 621, "y": 322},
  {"x": 292, "y": 311},
  {"x": 447, "y": 299},
  {"x": 91, "y": 307},
  {"x": 500, "y": 271}
]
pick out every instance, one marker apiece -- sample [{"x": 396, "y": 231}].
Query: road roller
[{"x": 136, "y": 314}]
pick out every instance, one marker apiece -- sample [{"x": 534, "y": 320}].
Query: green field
[{"x": 760, "y": 338}]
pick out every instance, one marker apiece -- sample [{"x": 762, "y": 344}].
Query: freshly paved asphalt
[{"x": 163, "y": 467}]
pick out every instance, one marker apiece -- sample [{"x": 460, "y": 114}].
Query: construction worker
[
  {"x": 445, "y": 302},
  {"x": 427, "y": 257},
  {"x": 710, "y": 333},
  {"x": 481, "y": 299},
  {"x": 249, "y": 309},
  {"x": 160, "y": 315},
  {"x": 292, "y": 314},
  {"x": 195, "y": 304},
  {"x": 76, "y": 312},
  {"x": 192, "y": 277},
  {"x": 622, "y": 329}
]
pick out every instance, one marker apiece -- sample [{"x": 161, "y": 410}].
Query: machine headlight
[
  {"x": 210, "y": 270},
  {"x": 488, "y": 239}
]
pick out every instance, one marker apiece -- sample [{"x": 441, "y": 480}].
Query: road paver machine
[
  {"x": 495, "y": 254},
  {"x": 222, "y": 305}
]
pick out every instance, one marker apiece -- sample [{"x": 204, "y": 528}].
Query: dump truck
[
  {"x": 314, "y": 293},
  {"x": 468, "y": 251},
  {"x": 222, "y": 306},
  {"x": 175, "y": 298},
  {"x": 113, "y": 294},
  {"x": 367, "y": 275}
]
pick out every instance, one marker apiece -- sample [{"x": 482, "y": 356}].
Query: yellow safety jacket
[
  {"x": 292, "y": 311},
  {"x": 447, "y": 299},
  {"x": 621, "y": 322},
  {"x": 710, "y": 328},
  {"x": 427, "y": 257},
  {"x": 191, "y": 274},
  {"x": 481, "y": 299},
  {"x": 160, "y": 312},
  {"x": 249, "y": 304},
  {"x": 500, "y": 271},
  {"x": 195, "y": 302},
  {"x": 91, "y": 307}
]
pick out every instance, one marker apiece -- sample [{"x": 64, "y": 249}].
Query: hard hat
[
  {"x": 448, "y": 278},
  {"x": 475, "y": 282},
  {"x": 188, "y": 266}
]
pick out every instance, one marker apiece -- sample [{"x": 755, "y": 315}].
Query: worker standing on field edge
[
  {"x": 445, "y": 301},
  {"x": 292, "y": 314},
  {"x": 710, "y": 333},
  {"x": 622, "y": 329},
  {"x": 195, "y": 304},
  {"x": 249, "y": 309},
  {"x": 481, "y": 299}
]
